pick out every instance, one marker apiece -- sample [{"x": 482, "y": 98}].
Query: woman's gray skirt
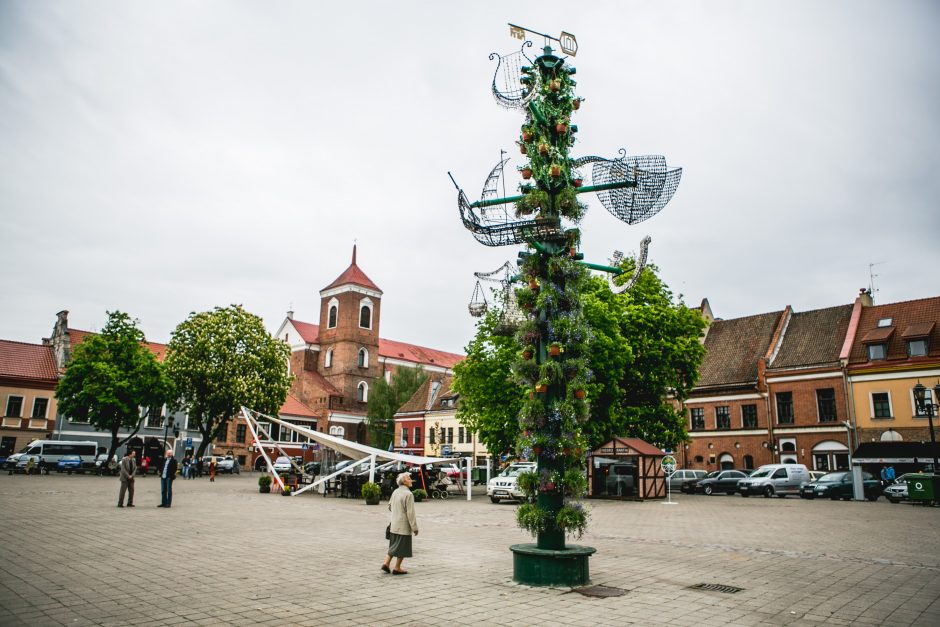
[{"x": 399, "y": 545}]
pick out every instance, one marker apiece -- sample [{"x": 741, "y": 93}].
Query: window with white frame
[
  {"x": 14, "y": 406},
  {"x": 365, "y": 313},
  {"x": 333, "y": 314},
  {"x": 917, "y": 348},
  {"x": 826, "y": 404},
  {"x": 40, "y": 408},
  {"x": 328, "y": 360},
  {"x": 363, "y": 359},
  {"x": 362, "y": 392},
  {"x": 338, "y": 431},
  {"x": 881, "y": 405},
  {"x": 698, "y": 418},
  {"x": 417, "y": 436},
  {"x": 749, "y": 416},
  {"x": 154, "y": 417},
  {"x": 404, "y": 436}
]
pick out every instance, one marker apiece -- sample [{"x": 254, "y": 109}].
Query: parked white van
[
  {"x": 50, "y": 451},
  {"x": 775, "y": 479}
]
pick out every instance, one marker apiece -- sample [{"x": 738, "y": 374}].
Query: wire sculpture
[
  {"x": 495, "y": 224},
  {"x": 511, "y": 93},
  {"x": 652, "y": 185},
  {"x": 511, "y": 315},
  {"x": 640, "y": 264},
  {"x": 478, "y": 305}
]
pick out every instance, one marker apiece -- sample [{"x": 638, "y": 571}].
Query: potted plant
[
  {"x": 527, "y": 135},
  {"x": 523, "y": 149},
  {"x": 554, "y": 349},
  {"x": 286, "y": 491},
  {"x": 264, "y": 484},
  {"x": 572, "y": 519},
  {"x": 528, "y": 352},
  {"x": 579, "y": 393},
  {"x": 577, "y": 182},
  {"x": 555, "y": 170},
  {"x": 526, "y": 173},
  {"x": 420, "y": 495},
  {"x": 576, "y": 104},
  {"x": 542, "y": 386},
  {"x": 561, "y": 127},
  {"x": 555, "y": 85},
  {"x": 533, "y": 284},
  {"x": 371, "y": 492},
  {"x": 543, "y": 148}
]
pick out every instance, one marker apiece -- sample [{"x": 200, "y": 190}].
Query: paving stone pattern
[{"x": 225, "y": 554}]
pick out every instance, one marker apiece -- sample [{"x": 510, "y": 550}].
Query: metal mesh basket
[
  {"x": 653, "y": 186},
  {"x": 508, "y": 89}
]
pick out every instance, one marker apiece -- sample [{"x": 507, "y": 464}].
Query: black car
[
  {"x": 839, "y": 485},
  {"x": 716, "y": 481}
]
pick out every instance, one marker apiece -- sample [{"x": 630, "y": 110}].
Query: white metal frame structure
[{"x": 347, "y": 448}]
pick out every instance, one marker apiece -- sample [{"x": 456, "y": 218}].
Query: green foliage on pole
[
  {"x": 385, "y": 398},
  {"x": 110, "y": 376},
  {"x": 220, "y": 360}
]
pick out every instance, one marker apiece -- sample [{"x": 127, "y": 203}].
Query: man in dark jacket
[
  {"x": 167, "y": 475},
  {"x": 128, "y": 468}
]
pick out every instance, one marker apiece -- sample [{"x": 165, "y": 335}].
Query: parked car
[
  {"x": 718, "y": 481},
  {"x": 72, "y": 463},
  {"x": 227, "y": 464},
  {"x": 897, "y": 491},
  {"x": 282, "y": 464},
  {"x": 312, "y": 468},
  {"x": 10, "y": 463},
  {"x": 682, "y": 476},
  {"x": 620, "y": 479},
  {"x": 503, "y": 486},
  {"x": 815, "y": 475},
  {"x": 839, "y": 485},
  {"x": 775, "y": 480},
  {"x": 23, "y": 462}
]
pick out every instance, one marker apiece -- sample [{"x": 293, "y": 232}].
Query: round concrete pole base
[{"x": 566, "y": 568}]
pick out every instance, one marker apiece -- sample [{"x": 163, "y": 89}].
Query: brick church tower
[{"x": 350, "y": 310}]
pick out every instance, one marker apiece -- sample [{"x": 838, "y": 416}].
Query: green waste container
[{"x": 923, "y": 487}]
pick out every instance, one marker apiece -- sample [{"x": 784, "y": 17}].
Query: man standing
[
  {"x": 167, "y": 475},
  {"x": 128, "y": 468}
]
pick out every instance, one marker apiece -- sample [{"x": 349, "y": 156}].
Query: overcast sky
[{"x": 167, "y": 157}]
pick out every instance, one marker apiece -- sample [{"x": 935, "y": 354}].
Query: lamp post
[
  {"x": 167, "y": 425},
  {"x": 920, "y": 398}
]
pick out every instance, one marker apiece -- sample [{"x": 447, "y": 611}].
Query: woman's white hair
[{"x": 401, "y": 477}]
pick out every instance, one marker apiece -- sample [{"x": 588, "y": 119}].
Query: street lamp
[
  {"x": 920, "y": 398},
  {"x": 167, "y": 425}
]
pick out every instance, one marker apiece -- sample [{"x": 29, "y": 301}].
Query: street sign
[
  {"x": 669, "y": 464},
  {"x": 303, "y": 446},
  {"x": 446, "y": 450},
  {"x": 189, "y": 442}
]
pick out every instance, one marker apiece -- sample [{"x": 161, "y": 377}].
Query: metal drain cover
[
  {"x": 715, "y": 587},
  {"x": 600, "y": 591}
]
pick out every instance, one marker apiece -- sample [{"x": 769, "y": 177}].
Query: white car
[
  {"x": 282, "y": 464},
  {"x": 503, "y": 486},
  {"x": 897, "y": 491}
]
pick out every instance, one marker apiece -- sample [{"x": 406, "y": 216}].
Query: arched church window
[
  {"x": 363, "y": 359},
  {"x": 363, "y": 392},
  {"x": 365, "y": 313}
]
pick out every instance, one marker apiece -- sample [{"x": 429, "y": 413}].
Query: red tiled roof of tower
[
  {"x": 908, "y": 320},
  {"x": 309, "y": 332},
  {"x": 814, "y": 337},
  {"x": 417, "y": 354},
  {"x": 20, "y": 360},
  {"x": 733, "y": 348},
  {"x": 294, "y": 407},
  {"x": 353, "y": 275},
  {"x": 328, "y": 387},
  {"x": 77, "y": 336}
]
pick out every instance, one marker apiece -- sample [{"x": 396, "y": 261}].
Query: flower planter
[
  {"x": 541, "y": 388},
  {"x": 523, "y": 149},
  {"x": 533, "y": 284},
  {"x": 561, "y": 128},
  {"x": 265, "y": 489},
  {"x": 579, "y": 394},
  {"x": 526, "y": 173},
  {"x": 555, "y": 171},
  {"x": 572, "y": 252},
  {"x": 527, "y": 355},
  {"x": 527, "y": 136},
  {"x": 576, "y": 104},
  {"x": 554, "y": 351},
  {"x": 555, "y": 85},
  {"x": 372, "y": 501},
  {"x": 577, "y": 182},
  {"x": 543, "y": 149}
]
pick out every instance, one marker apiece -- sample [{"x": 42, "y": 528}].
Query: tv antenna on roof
[
  {"x": 871, "y": 279},
  {"x": 566, "y": 41}
]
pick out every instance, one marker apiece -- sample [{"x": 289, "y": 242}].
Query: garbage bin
[
  {"x": 478, "y": 475},
  {"x": 923, "y": 487}
]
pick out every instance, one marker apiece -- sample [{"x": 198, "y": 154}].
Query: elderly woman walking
[{"x": 403, "y": 524}]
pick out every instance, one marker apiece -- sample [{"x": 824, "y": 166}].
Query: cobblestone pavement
[{"x": 225, "y": 554}]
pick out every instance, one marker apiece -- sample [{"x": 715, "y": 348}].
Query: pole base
[{"x": 566, "y": 568}]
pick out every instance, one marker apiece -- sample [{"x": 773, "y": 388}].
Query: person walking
[
  {"x": 212, "y": 469},
  {"x": 128, "y": 468},
  {"x": 403, "y": 524},
  {"x": 890, "y": 474},
  {"x": 145, "y": 465},
  {"x": 30, "y": 465},
  {"x": 167, "y": 475}
]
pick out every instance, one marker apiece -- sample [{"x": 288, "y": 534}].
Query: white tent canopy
[{"x": 347, "y": 448}]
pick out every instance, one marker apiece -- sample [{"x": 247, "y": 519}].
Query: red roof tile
[
  {"x": 418, "y": 354},
  {"x": 294, "y": 407},
  {"x": 814, "y": 338},
  {"x": 353, "y": 275},
  {"x": 309, "y": 332},
  {"x": 34, "y": 362},
  {"x": 733, "y": 348},
  {"x": 912, "y": 313},
  {"x": 77, "y": 336}
]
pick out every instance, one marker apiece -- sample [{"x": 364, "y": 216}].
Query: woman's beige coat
[{"x": 402, "y": 505}]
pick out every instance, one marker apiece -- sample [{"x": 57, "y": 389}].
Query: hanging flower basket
[
  {"x": 527, "y": 173},
  {"x": 561, "y": 127},
  {"x": 541, "y": 388},
  {"x": 555, "y": 171},
  {"x": 537, "y": 450},
  {"x": 533, "y": 284},
  {"x": 579, "y": 394},
  {"x": 527, "y": 136},
  {"x": 572, "y": 252},
  {"x": 577, "y": 182},
  {"x": 576, "y": 104},
  {"x": 554, "y": 349},
  {"x": 523, "y": 149},
  {"x": 543, "y": 149},
  {"x": 528, "y": 353},
  {"x": 555, "y": 85}
]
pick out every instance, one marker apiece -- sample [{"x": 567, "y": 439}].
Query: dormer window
[
  {"x": 917, "y": 337},
  {"x": 365, "y": 313},
  {"x": 363, "y": 359},
  {"x": 877, "y": 351},
  {"x": 917, "y": 348},
  {"x": 333, "y": 314}
]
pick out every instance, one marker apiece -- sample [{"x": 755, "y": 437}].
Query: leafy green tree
[
  {"x": 644, "y": 348},
  {"x": 220, "y": 360},
  {"x": 110, "y": 377},
  {"x": 490, "y": 399},
  {"x": 385, "y": 398}
]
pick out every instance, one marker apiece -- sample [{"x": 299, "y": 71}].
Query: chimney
[{"x": 864, "y": 296}]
